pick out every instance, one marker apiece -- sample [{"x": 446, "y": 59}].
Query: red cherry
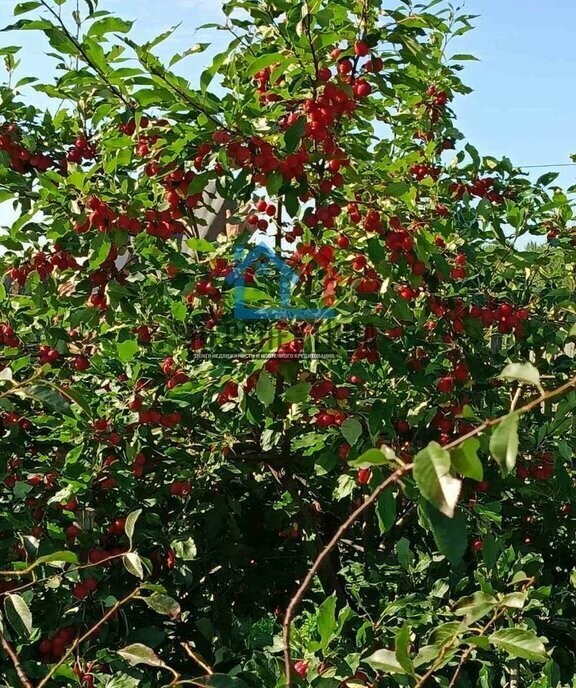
[
  {"x": 79, "y": 591},
  {"x": 477, "y": 545},
  {"x": 446, "y": 384},
  {"x": 364, "y": 475},
  {"x": 361, "y": 48},
  {"x": 45, "y": 647},
  {"x": 81, "y": 363},
  {"x": 72, "y": 532},
  {"x": 344, "y": 451},
  {"x": 301, "y": 669},
  {"x": 91, "y": 584}
]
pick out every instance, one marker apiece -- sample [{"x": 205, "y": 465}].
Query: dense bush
[{"x": 162, "y": 506}]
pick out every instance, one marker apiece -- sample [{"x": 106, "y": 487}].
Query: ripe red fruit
[
  {"x": 361, "y": 48},
  {"x": 72, "y": 532},
  {"x": 446, "y": 384},
  {"x": 45, "y": 647},
  {"x": 301, "y": 669},
  {"x": 461, "y": 372},
  {"x": 324, "y": 74},
  {"x": 81, "y": 363},
  {"x": 402, "y": 427},
  {"x": 477, "y": 545},
  {"x": 342, "y": 393},
  {"x": 90, "y": 584},
  {"x": 79, "y": 591},
  {"x": 343, "y": 241},
  {"x": 364, "y": 475},
  {"x": 343, "y": 451},
  {"x": 345, "y": 67}
]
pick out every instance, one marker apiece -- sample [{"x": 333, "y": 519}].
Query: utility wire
[{"x": 564, "y": 164}]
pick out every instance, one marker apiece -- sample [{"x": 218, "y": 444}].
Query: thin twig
[
  {"x": 15, "y": 661},
  {"x": 196, "y": 657},
  {"x": 395, "y": 477},
  {"x": 324, "y": 554},
  {"x": 110, "y": 613},
  {"x": 485, "y": 628},
  {"x": 86, "y": 57}
]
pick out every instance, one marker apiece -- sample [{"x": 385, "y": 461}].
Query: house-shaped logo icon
[{"x": 263, "y": 259}]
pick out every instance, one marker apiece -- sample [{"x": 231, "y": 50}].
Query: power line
[{"x": 563, "y": 164}]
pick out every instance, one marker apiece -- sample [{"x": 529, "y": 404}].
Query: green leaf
[
  {"x": 504, "y": 443},
  {"x": 49, "y": 397},
  {"x": 18, "y": 614},
  {"x": 133, "y": 564},
  {"x": 385, "y": 661},
  {"x": 351, "y": 430},
  {"x": 465, "y": 460},
  {"x": 108, "y": 25},
  {"x": 396, "y": 189},
  {"x": 450, "y": 534},
  {"x": 264, "y": 61},
  {"x": 140, "y": 654},
  {"x": 130, "y": 524},
  {"x": 326, "y": 620},
  {"x": 294, "y": 134},
  {"x": 100, "y": 251},
  {"x": 374, "y": 457},
  {"x": 23, "y": 7},
  {"x": 200, "y": 245},
  {"x": 522, "y": 372},
  {"x": 185, "y": 549},
  {"x": 402, "y": 649},
  {"x": 476, "y": 607},
  {"x": 298, "y": 393},
  {"x": 127, "y": 349},
  {"x": 265, "y": 388},
  {"x": 432, "y": 474},
  {"x": 57, "y": 558},
  {"x": 520, "y": 643},
  {"x": 163, "y": 604},
  {"x": 386, "y": 510},
  {"x": 514, "y": 600}
]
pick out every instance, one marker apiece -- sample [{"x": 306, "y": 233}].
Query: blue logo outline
[{"x": 288, "y": 279}]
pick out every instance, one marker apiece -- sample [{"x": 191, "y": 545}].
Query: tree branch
[
  {"x": 320, "y": 559},
  {"x": 14, "y": 659},
  {"x": 110, "y": 613}
]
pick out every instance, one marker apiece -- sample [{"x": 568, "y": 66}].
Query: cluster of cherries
[
  {"x": 44, "y": 264},
  {"x": 52, "y": 649},
  {"x": 21, "y": 159},
  {"x": 481, "y": 188},
  {"x": 82, "y": 150},
  {"x": 261, "y": 223},
  {"x": 435, "y": 102},
  {"x": 423, "y": 170},
  {"x": 8, "y": 337},
  {"x": 542, "y": 469},
  {"x": 176, "y": 376},
  {"x": 504, "y": 316}
]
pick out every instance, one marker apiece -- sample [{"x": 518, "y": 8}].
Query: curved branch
[{"x": 324, "y": 554}]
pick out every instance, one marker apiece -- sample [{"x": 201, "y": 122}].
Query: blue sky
[{"x": 524, "y": 98}]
